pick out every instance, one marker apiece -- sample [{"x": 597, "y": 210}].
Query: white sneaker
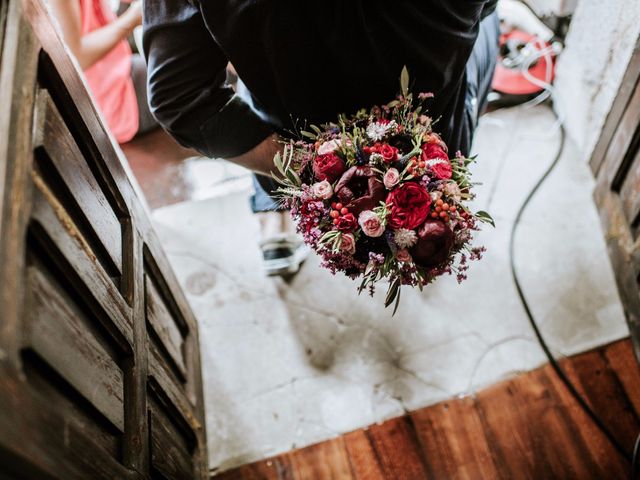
[{"x": 283, "y": 255}]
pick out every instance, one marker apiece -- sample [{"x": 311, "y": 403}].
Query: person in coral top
[{"x": 116, "y": 77}]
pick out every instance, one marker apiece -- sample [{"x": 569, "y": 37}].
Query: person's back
[{"x": 303, "y": 61}]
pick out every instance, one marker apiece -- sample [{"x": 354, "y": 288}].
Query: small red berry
[
  {"x": 344, "y": 210},
  {"x": 334, "y": 214},
  {"x": 443, "y": 214},
  {"x": 338, "y": 206},
  {"x": 439, "y": 201},
  {"x": 335, "y": 221},
  {"x": 434, "y": 214},
  {"x": 333, "y": 205}
]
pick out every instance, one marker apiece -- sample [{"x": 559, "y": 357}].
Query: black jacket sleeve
[{"x": 186, "y": 83}]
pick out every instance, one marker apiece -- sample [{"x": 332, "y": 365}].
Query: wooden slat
[
  {"x": 87, "y": 195},
  {"x": 630, "y": 191},
  {"x": 167, "y": 390},
  {"x": 164, "y": 326},
  {"x": 169, "y": 452},
  {"x": 621, "y": 141},
  {"x": 62, "y": 79},
  {"x": 48, "y": 440},
  {"x": 59, "y": 334},
  {"x": 624, "y": 253},
  {"x": 627, "y": 87},
  {"x": 136, "y": 438},
  {"x": 61, "y": 230},
  {"x": 18, "y": 70}
]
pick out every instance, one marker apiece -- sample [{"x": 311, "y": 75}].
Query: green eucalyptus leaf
[
  {"x": 404, "y": 81},
  {"x": 485, "y": 217},
  {"x": 392, "y": 292},
  {"x": 310, "y": 135}
]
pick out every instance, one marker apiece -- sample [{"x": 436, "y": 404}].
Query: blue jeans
[{"x": 479, "y": 74}]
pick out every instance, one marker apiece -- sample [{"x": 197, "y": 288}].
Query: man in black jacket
[{"x": 307, "y": 61}]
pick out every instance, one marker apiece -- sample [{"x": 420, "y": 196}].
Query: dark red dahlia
[{"x": 435, "y": 240}]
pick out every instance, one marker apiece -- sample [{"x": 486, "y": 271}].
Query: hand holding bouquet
[{"x": 377, "y": 196}]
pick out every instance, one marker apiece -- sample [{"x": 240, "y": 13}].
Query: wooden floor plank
[
  {"x": 395, "y": 449},
  {"x": 454, "y": 442},
  {"x": 362, "y": 456},
  {"x": 600, "y": 451},
  {"x": 623, "y": 363},
  {"x": 528, "y": 427},
  {"x": 326, "y": 460}
]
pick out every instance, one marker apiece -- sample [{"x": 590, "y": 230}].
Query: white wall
[{"x": 601, "y": 39}]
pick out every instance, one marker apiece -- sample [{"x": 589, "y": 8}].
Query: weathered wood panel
[
  {"x": 83, "y": 194},
  {"x": 164, "y": 326},
  {"x": 62, "y": 337},
  {"x": 616, "y": 164},
  {"x": 99, "y": 362}
]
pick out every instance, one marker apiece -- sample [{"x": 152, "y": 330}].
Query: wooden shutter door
[
  {"x": 99, "y": 359},
  {"x": 616, "y": 165}
]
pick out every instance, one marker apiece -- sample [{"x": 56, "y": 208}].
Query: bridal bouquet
[{"x": 378, "y": 198}]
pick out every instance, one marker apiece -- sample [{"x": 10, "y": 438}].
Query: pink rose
[
  {"x": 322, "y": 190},
  {"x": 391, "y": 178},
  {"x": 328, "y": 147},
  {"x": 403, "y": 255},
  {"x": 370, "y": 224},
  {"x": 348, "y": 243}
]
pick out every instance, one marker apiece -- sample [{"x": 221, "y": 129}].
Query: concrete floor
[{"x": 290, "y": 364}]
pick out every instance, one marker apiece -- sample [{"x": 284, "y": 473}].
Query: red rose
[
  {"x": 328, "y": 167},
  {"x": 408, "y": 206},
  {"x": 435, "y": 240},
  {"x": 441, "y": 169},
  {"x": 347, "y": 223},
  {"x": 389, "y": 153},
  {"x": 433, "y": 150}
]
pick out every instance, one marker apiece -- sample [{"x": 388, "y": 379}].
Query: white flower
[
  {"x": 376, "y": 131},
  {"x": 405, "y": 238},
  {"x": 435, "y": 195},
  {"x": 452, "y": 190},
  {"x": 322, "y": 190},
  {"x": 376, "y": 158},
  {"x": 329, "y": 147}
]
